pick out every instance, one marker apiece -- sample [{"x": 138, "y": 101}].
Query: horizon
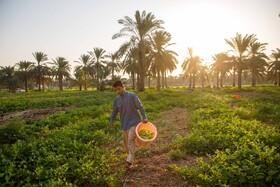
[{"x": 73, "y": 28}]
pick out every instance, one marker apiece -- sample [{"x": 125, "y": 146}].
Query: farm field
[{"x": 207, "y": 137}]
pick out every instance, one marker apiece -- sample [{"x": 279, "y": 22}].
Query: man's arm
[
  {"x": 113, "y": 114},
  {"x": 139, "y": 106}
]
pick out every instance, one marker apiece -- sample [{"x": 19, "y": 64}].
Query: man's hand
[
  {"x": 144, "y": 121},
  {"x": 112, "y": 125}
]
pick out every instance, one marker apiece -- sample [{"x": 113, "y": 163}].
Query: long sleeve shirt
[{"x": 127, "y": 105}]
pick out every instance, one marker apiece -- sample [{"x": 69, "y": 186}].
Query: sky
[{"x": 70, "y": 28}]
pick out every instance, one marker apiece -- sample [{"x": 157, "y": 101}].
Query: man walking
[{"x": 127, "y": 104}]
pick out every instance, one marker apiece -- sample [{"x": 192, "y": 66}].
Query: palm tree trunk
[
  {"x": 217, "y": 79},
  {"x": 137, "y": 82},
  {"x": 239, "y": 78},
  {"x": 85, "y": 81},
  {"x": 141, "y": 82},
  {"x": 202, "y": 82},
  {"x": 97, "y": 85},
  {"x": 60, "y": 83},
  {"x": 193, "y": 81},
  {"x": 149, "y": 81},
  {"x": 25, "y": 83},
  {"x": 165, "y": 79},
  {"x": 112, "y": 73},
  {"x": 233, "y": 78},
  {"x": 278, "y": 78},
  {"x": 222, "y": 79},
  {"x": 85, "y": 85},
  {"x": 190, "y": 83},
  {"x": 162, "y": 79},
  {"x": 39, "y": 82},
  {"x": 212, "y": 80},
  {"x": 39, "y": 76},
  {"x": 43, "y": 82},
  {"x": 253, "y": 78},
  {"x": 133, "y": 80},
  {"x": 158, "y": 81}
]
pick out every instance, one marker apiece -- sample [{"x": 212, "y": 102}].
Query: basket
[{"x": 149, "y": 126}]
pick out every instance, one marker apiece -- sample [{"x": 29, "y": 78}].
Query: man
[{"x": 127, "y": 104}]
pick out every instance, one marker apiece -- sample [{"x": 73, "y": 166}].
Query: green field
[{"x": 235, "y": 141}]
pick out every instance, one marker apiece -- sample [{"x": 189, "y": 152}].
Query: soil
[
  {"x": 31, "y": 114},
  {"x": 152, "y": 163}
]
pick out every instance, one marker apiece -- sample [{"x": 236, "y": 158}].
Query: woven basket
[{"x": 150, "y": 127}]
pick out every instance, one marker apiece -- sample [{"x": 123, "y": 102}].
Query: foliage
[
  {"x": 238, "y": 139},
  {"x": 31, "y": 100},
  {"x": 242, "y": 147},
  {"x": 176, "y": 154},
  {"x": 66, "y": 148}
]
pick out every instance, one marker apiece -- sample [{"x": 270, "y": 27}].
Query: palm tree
[
  {"x": 104, "y": 73},
  {"x": 274, "y": 66},
  {"x": 158, "y": 40},
  {"x": 191, "y": 66},
  {"x": 41, "y": 58},
  {"x": 163, "y": 59},
  {"x": 98, "y": 60},
  {"x": 51, "y": 78},
  {"x": 138, "y": 31},
  {"x": 232, "y": 66},
  {"x": 1, "y": 78},
  {"x": 24, "y": 68},
  {"x": 203, "y": 74},
  {"x": 84, "y": 68},
  {"x": 170, "y": 63},
  {"x": 62, "y": 69},
  {"x": 257, "y": 60},
  {"x": 113, "y": 64},
  {"x": 79, "y": 80},
  {"x": 9, "y": 78},
  {"x": 130, "y": 65},
  {"x": 46, "y": 75},
  {"x": 221, "y": 66},
  {"x": 240, "y": 46}
]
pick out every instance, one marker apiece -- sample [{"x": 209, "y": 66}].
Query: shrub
[{"x": 176, "y": 154}]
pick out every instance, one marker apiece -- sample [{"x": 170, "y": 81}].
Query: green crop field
[{"x": 235, "y": 140}]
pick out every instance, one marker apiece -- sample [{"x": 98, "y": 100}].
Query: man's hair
[{"x": 118, "y": 83}]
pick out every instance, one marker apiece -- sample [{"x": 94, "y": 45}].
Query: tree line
[
  {"x": 145, "y": 56},
  {"x": 245, "y": 58}
]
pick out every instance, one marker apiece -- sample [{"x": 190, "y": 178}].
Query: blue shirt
[{"x": 127, "y": 105}]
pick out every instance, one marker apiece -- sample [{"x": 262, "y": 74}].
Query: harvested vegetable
[{"x": 146, "y": 134}]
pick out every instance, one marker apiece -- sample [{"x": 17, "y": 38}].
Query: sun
[{"x": 204, "y": 26}]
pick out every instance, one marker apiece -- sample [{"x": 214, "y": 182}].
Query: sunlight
[
  {"x": 212, "y": 25},
  {"x": 205, "y": 28}
]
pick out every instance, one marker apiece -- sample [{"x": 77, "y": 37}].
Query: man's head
[{"x": 119, "y": 87}]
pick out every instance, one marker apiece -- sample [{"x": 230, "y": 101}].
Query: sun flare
[{"x": 204, "y": 29}]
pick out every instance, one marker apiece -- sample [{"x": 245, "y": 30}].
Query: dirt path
[
  {"x": 31, "y": 114},
  {"x": 153, "y": 162}
]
